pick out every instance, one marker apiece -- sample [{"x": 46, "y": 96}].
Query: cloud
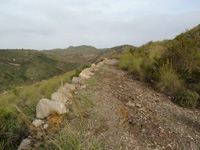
[{"x": 50, "y": 24}]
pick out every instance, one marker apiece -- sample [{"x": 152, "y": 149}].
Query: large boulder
[
  {"x": 69, "y": 87},
  {"x": 83, "y": 75},
  {"x": 59, "y": 97},
  {"x": 45, "y": 107}
]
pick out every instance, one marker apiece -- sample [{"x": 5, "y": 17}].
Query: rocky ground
[{"x": 129, "y": 114}]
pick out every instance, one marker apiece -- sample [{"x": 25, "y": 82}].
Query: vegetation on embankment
[
  {"x": 173, "y": 66},
  {"x": 12, "y": 128}
]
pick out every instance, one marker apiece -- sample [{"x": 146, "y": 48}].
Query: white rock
[
  {"x": 88, "y": 71},
  {"x": 100, "y": 64},
  {"x": 138, "y": 105},
  {"x": 59, "y": 97},
  {"x": 46, "y": 106},
  {"x": 76, "y": 80},
  {"x": 25, "y": 144},
  {"x": 37, "y": 123},
  {"x": 130, "y": 104},
  {"x": 83, "y": 75},
  {"x": 66, "y": 92},
  {"x": 46, "y": 126},
  {"x": 69, "y": 87},
  {"x": 94, "y": 69}
]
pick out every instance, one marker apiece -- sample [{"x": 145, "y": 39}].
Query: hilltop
[{"x": 79, "y": 54}]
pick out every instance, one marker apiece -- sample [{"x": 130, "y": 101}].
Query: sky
[{"x": 48, "y": 24}]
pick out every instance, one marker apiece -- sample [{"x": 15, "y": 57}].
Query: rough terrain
[{"x": 130, "y": 114}]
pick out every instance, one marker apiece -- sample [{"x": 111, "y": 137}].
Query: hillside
[
  {"x": 80, "y": 54},
  {"x": 19, "y": 67},
  {"x": 172, "y": 66}
]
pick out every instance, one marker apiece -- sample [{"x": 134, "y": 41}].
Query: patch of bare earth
[{"x": 129, "y": 114}]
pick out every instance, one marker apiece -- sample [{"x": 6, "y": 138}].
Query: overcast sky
[{"x": 48, "y": 24}]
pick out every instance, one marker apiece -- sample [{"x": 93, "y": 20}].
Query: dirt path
[{"x": 129, "y": 114}]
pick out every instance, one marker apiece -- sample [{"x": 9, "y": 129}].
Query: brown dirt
[{"x": 130, "y": 114}]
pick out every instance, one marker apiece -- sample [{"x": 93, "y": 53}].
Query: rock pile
[{"x": 58, "y": 104}]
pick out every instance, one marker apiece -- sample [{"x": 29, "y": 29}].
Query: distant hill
[
  {"x": 114, "y": 51},
  {"x": 79, "y": 54},
  {"x": 19, "y": 67}
]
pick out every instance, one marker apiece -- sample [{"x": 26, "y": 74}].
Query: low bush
[
  {"x": 187, "y": 99},
  {"x": 78, "y": 71},
  {"x": 168, "y": 80}
]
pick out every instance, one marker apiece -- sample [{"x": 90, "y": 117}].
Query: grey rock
[
  {"x": 83, "y": 75},
  {"x": 69, "y": 87},
  {"x": 60, "y": 97},
  {"x": 25, "y": 144},
  {"x": 88, "y": 71},
  {"x": 66, "y": 92},
  {"x": 76, "y": 80},
  {"x": 37, "y": 123}
]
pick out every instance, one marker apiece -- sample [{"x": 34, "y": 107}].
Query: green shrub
[
  {"x": 135, "y": 65},
  {"x": 78, "y": 71},
  {"x": 168, "y": 80},
  {"x": 125, "y": 60},
  {"x": 187, "y": 99}
]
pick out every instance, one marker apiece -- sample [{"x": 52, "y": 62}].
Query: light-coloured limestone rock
[
  {"x": 76, "y": 80},
  {"x": 66, "y": 92},
  {"x": 83, "y": 75},
  {"x": 60, "y": 97},
  {"x": 46, "y": 106},
  {"x": 130, "y": 104},
  {"x": 69, "y": 87},
  {"x": 88, "y": 71},
  {"x": 37, "y": 123},
  {"x": 25, "y": 144},
  {"x": 100, "y": 64},
  {"x": 45, "y": 126},
  {"x": 94, "y": 69}
]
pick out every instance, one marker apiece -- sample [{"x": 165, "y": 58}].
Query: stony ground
[{"x": 129, "y": 114}]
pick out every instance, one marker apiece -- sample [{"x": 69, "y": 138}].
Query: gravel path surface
[{"x": 129, "y": 114}]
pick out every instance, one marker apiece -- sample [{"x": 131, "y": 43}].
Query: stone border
[{"x": 59, "y": 100}]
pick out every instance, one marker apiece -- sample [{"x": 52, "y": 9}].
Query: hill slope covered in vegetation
[
  {"x": 173, "y": 66},
  {"x": 19, "y": 67}
]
